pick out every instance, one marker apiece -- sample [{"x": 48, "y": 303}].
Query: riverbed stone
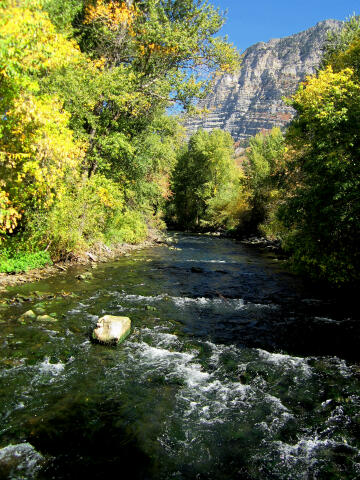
[
  {"x": 151, "y": 308},
  {"x": 46, "y": 318},
  {"x": 39, "y": 310},
  {"x": 197, "y": 270},
  {"x": 20, "y": 461},
  {"x": 28, "y": 315},
  {"x": 85, "y": 276},
  {"x": 112, "y": 329}
]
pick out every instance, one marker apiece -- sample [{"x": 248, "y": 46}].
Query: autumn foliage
[
  {"x": 111, "y": 14},
  {"x": 86, "y": 148}
]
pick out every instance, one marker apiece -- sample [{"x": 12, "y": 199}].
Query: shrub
[
  {"x": 127, "y": 227},
  {"x": 81, "y": 217}
]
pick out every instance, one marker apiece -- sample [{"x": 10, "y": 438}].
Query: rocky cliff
[{"x": 251, "y": 101}]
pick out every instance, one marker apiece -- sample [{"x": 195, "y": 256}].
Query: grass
[{"x": 22, "y": 262}]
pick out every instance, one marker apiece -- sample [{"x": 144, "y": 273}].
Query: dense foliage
[
  {"x": 322, "y": 214},
  {"x": 264, "y": 167},
  {"x": 90, "y": 157},
  {"x": 86, "y": 147},
  {"x": 206, "y": 183}
]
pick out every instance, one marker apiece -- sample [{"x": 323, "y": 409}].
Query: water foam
[
  {"x": 53, "y": 368},
  {"x": 285, "y": 361},
  {"x": 22, "y": 460},
  {"x": 209, "y": 261}
]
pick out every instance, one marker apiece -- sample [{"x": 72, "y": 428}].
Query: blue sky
[{"x": 249, "y": 22}]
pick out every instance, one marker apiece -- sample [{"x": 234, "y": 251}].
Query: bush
[
  {"x": 228, "y": 208},
  {"x": 127, "y": 227},
  {"x": 80, "y": 218}
]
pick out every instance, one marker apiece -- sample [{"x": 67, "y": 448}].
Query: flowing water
[{"x": 233, "y": 370}]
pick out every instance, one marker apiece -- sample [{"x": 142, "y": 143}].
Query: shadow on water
[
  {"x": 74, "y": 431},
  {"x": 234, "y": 370}
]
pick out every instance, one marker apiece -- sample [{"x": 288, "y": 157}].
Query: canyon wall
[{"x": 251, "y": 101}]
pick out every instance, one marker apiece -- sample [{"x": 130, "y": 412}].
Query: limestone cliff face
[{"x": 251, "y": 101}]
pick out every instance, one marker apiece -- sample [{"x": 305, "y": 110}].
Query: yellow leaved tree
[{"x": 37, "y": 148}]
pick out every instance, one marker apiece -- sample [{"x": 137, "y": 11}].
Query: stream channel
[{"x": 234, "y": 370}]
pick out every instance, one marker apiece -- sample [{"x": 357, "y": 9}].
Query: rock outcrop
[{"x": 245, "y": 103}]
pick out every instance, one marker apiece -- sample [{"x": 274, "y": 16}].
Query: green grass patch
[{"x": 22, "y": 262}]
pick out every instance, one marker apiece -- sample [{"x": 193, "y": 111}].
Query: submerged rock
[
  {"x": 28, "y": 315},
  {"x": 150, "y": 308},
  {"x": 197, "y": 270},
  {"x": 39, "y": 310},
  {"x": 20, "y": 461},
  {"x": 85, "y": 276},
  {"x": 46, "y": 318},
  {"x": 112, "y": 329}
]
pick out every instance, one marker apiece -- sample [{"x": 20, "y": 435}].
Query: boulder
[
  {"x": 20, "y": 461},
  {"x": 112, "y": 329}
]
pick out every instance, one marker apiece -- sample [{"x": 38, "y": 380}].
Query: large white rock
[{"x": 112, "y": 329}]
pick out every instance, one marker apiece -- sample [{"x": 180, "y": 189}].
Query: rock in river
[
  {"x": 112, "y": 329},
  {"x": 19, "y": 461},
  {"x": 28, "y": 315}
]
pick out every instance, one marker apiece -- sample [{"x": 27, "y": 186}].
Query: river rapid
[{"x": 234, "y": 370}]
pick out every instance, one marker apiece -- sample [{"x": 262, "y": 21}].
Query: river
[{"x": 234, "y": 370}]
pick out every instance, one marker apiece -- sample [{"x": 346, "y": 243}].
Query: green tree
[
  {"x": 322, "y": 211},
  {"x": 339, "y": 42},
  {"x": 204, "y": 172},
  {"x": 145, "y": 56},
  {"x": 264, "y": 169}
]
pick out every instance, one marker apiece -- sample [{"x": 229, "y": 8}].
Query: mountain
[{"x": 250, "y": 101}]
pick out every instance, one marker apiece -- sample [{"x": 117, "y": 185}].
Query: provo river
[{"x": 234, "y": 370}]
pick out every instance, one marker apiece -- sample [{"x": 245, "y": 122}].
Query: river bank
[{"x": 100, "y": 254}]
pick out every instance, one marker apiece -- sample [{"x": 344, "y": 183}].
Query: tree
[
  {"x": 322, "y": 211},
  {"x": 151, "y": 54},
  {"x": 84, "y": 88},
  {"x": 338, "y": 44},
  {"x": 264, "y": 169},
  {"x": 145, "y": 57},
  {"x": 162, "y": 43},
  {"x": 205, "y": 170},
  {"x": 37, "y": 149}
]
